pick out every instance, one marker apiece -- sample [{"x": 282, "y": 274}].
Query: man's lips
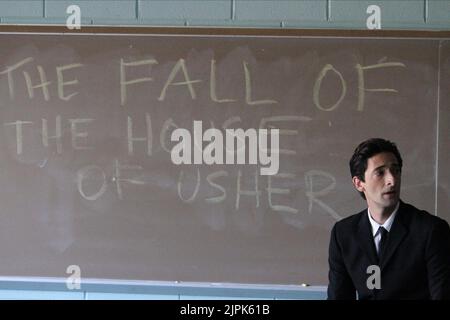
[{"x": 392, "y": 192}]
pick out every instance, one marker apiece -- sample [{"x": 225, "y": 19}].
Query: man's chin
[
  {"x": 391, "y": 202},
  {"x": 391, "y": 197}
]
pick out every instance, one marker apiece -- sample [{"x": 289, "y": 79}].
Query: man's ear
[{"x": 358, "y": 183}]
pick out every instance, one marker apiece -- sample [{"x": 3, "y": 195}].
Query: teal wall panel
[
  {"x": 23, "y": 8},
  {"x": 319, "y": 14},
  {"x": 281, "y": 10},
  {"x": 438, "y": 12},
  {"x": 185, "y": 9},
  {"x": 394, "y": 13},
  {"x": 104, "y": 9}
]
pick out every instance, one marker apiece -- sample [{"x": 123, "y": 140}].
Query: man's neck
[{"x": 380, "y": 215}]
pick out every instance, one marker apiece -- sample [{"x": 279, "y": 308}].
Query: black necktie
[{"x": 383, "y": 239}]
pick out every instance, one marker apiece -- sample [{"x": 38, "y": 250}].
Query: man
[{"x": 391, "y": 250}]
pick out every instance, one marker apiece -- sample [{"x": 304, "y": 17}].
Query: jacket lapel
[
  {"x": 396, "y": 235},
  {"x": 365, "y": 238}
]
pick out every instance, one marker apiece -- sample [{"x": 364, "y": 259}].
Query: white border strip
[{"x": 178, "y": 284}]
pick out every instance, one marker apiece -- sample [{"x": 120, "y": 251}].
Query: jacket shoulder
[
  {"x": 421, "y": 216},
  {"x": 349, "y": 222},
  {"x": 424, "y": 224}
]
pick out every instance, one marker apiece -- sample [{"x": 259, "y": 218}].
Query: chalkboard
[{"x": 86, "y": 175}]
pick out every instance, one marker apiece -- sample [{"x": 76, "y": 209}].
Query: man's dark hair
[{"x": 366, "y": 150}]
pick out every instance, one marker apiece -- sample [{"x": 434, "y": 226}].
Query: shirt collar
[{"x": 387, "y": 224}]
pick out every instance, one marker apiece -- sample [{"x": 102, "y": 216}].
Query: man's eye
[{"x": 378, "y": 173}]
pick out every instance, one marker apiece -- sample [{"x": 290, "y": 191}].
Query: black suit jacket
[{"x": 414, "y": 265}]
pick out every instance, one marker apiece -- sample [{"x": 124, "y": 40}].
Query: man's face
[{"x": 382, "y": 181}]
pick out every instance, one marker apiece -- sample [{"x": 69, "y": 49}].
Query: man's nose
[{"x": 390, "y": 178}]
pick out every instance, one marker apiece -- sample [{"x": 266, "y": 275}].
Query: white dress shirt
[{"x": 387, "y": 225}]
